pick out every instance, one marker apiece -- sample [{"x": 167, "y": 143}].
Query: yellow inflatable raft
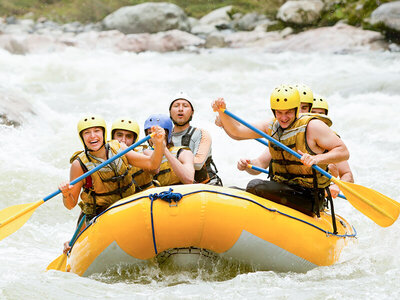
[{"x": 202, "y": 220}]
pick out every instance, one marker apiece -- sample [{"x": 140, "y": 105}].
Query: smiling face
[
  {"x": 124, "y": 136},
  {"x": 93, "y": 138},
  {"x": 181, "y": 112},
  {"x": 285, "y": 117}
]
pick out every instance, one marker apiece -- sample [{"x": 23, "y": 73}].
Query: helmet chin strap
[{"x": 88, "y": 150}]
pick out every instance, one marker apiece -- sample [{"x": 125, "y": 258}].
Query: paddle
[
  {"x": 379, "y": 208},
  {"x": 60, "y": 263},
  {"x": 12, "y": 218},
  {"x": 266, "y": 172}
]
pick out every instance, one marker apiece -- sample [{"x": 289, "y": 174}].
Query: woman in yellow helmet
[
  {"x": 112, "y": 182},
  {"x": 293, "y": 182},
  {"x": 126, "y": 131}
]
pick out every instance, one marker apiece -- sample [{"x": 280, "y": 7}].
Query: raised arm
[
  {"x": 219, "y": 124},
  {"x": 153, "y": 161},
  {"x": 182, "y": 166},
  {"x": 233, "y": 128}
]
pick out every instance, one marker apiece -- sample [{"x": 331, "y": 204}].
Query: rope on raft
[{"x": 167, "y": 196}]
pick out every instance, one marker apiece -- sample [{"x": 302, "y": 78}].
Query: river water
[{"x": 363, "y": 91}]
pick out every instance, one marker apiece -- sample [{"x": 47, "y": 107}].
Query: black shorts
[{"x": 294, "y": 196}]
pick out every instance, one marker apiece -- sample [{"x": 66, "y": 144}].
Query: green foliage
[
  {"x": 278, "y": 26},
  {"x": 86, "y": 11},
  {"x": 354, "y": 12}
]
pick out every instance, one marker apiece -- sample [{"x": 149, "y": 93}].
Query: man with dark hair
[{"x": 198, "y": 140}]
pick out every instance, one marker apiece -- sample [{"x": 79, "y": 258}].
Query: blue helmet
[{"x": 161, "y": 120}]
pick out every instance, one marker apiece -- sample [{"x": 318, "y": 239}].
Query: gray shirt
[{"x": 200, "y": 145}]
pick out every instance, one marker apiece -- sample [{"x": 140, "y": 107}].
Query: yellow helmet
[
  {"x": 306, "y": 94},
  {"x": 90, "y": 121},
  {"x": 285, "y": 97},
  {"x": 126, "y": 124},
  {"x": 320, "y": 102}
]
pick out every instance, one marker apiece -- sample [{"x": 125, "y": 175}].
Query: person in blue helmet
[{"x": 177, "y": 165}]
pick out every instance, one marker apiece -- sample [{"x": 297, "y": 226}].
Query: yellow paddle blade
[
  {"x": 59, "y": 264},
  {"x": 12, "y": 218},
  {"x": 390, "y": 199},
  {"x": 381, "y": 209}
]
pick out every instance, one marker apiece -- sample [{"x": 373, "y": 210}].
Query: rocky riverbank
[{"x": 165, "y": 27}]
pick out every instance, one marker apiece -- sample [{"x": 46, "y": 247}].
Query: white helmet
[{"x": 181, "y": 96}]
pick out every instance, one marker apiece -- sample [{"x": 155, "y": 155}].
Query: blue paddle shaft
[
  {"x": 272, "y": 140},
  {"x": 83, "y": 176},
  {"x": 259, "y": 169},
  {"x": 262, "y": 142},
  {"x": 72, "y": 241}
]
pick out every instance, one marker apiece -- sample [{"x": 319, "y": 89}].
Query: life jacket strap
[
  {"x": 316, "y": 194},
  {"x": 117, "y": 178},
  {"x": 145, "y": 186},
  {"x": 185, "y": 141},
  {"x": 117, "y": 191},
  {"x": 290, "y": 176},
  {"x": 328, "y": 191},
  {"x": 89, "y": 182},
  {"x": 165, "y": 171}
]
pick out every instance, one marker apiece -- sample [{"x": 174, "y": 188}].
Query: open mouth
[
  {"x": 94, "y": 142},
  {"x": 284, "y": 123}
]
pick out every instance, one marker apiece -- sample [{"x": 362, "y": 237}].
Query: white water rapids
[{"x": 363, "y": 91}]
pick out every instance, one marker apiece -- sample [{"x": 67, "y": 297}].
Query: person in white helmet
[{"x": 197, "y": 139}]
